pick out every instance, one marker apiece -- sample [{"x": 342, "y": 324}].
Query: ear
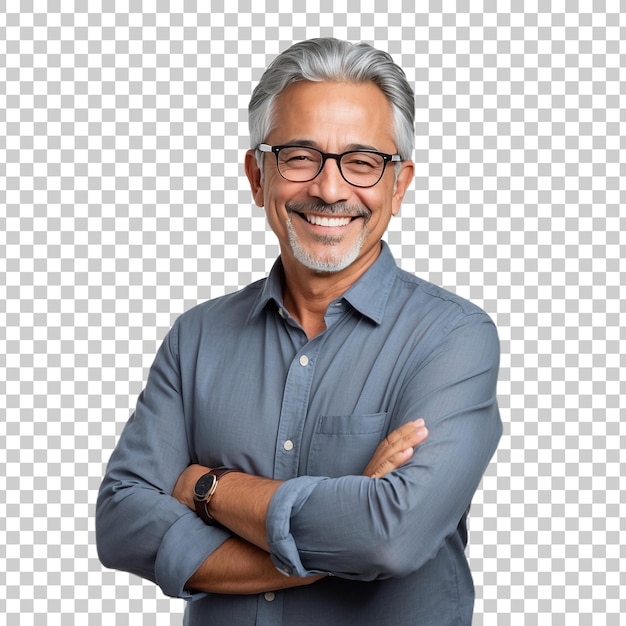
[
  {"x": 405, "y": 178},
  {"x": 254, "y": 177}
]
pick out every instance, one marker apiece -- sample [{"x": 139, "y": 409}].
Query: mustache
[{"x": 338, "y": 208}]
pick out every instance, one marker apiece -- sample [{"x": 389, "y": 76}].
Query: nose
[{"x": 329, "y": 185}]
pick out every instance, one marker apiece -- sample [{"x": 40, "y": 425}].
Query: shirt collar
[
  {"x": 368, "y": 295},
  {"x": 272, "y": 290}
]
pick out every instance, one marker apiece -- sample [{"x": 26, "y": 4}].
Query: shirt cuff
[
  {"x": 287, "y": 501},
  {"x": 185, "y": 546}
]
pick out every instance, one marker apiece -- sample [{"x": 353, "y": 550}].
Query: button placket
[{"x": 294, "y": 410}]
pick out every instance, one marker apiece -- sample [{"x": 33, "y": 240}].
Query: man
[{"x": 277, "y": 469}]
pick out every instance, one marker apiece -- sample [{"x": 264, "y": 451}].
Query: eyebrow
[{"x": 307, "y": 143}]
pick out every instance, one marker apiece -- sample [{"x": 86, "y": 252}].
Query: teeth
[{"x": 329, "y": 222}]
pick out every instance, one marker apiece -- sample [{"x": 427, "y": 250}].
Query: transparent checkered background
[{"x": 124, "y": 203}]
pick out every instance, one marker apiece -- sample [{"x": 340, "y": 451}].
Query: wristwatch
[{"x": 204, "y": 491}]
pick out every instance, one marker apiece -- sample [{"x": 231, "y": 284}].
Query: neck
[{"x": 307, "y": 294}]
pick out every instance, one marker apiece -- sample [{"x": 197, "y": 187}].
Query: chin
[
  {"x": 331, "y": 262},
  {"x": 325, "y": 266},
  {"x": 325, "y": 263}
]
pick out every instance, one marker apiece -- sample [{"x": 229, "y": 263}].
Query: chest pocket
[{"x": 342, "y": 445}]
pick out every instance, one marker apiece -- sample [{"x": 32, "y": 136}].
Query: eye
[
  {"x": 295, "y": 156},
  {"x": 362, "y": 161}
]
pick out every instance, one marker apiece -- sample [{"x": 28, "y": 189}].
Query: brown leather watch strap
[{"x": 202, "y": 506}]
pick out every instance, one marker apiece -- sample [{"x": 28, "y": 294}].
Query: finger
[
  {"x": 391, "y": 455},
  {"x": 396, "y": 448},
  {"x": 407, "y": 435},
  {"x": 391, "y": 463}
]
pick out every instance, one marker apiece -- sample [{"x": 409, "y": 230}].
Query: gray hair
[{"x": 328, "y": 59}]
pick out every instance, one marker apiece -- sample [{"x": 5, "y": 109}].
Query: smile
[{"x": 328, "y": 222}]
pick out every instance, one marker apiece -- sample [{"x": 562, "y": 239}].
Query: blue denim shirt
[{"x": 237, "y": 383}]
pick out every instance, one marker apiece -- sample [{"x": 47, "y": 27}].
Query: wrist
[{"x": 204, "y": 490}]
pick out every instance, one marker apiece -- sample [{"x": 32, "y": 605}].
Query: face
[{"x": 328, "y": 225}]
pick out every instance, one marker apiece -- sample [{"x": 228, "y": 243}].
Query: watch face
[{"x": 204, "y": 486}]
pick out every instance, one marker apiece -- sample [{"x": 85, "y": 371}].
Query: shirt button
[
  {"x": 269, "y": 596},
  {"x": 304, "y": 360},
  {"x": 288, "y": 445},
  {"x": 284, "y": 569}
]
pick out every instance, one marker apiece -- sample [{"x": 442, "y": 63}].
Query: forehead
[{"x": 333, "y": 114}]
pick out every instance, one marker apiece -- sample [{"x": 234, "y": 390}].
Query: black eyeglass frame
[{"x": 387, "y": 158}]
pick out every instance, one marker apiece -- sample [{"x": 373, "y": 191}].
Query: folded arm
[
  {"x": 352, "y": 526},
  {"x": 243, "y": 564}
]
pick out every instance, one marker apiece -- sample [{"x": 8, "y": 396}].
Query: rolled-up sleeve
[
  {"x": 140, "y": 528},
  {"x": 366, "y": 529}
]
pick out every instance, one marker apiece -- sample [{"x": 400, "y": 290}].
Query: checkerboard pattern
[{"x": 123, "y": 203}]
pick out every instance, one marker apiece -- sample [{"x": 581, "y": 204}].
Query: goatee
[{"x": 332, "y": 261}]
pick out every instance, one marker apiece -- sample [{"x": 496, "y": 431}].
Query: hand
[
  {"x": 396, "y": 449},
  {"x": 183, "y": 489}
]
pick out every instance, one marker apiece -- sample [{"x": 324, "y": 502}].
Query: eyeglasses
[{"x": 301, "y": 164}]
